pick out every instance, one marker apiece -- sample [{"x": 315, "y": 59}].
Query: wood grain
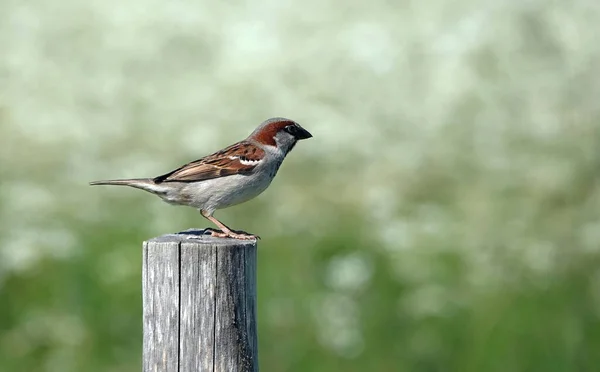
[{"x": 199, "y": 300}]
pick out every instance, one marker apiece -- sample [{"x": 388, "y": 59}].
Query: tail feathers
[{"x": 146, "y": 184}]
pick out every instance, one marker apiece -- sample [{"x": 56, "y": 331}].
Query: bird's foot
[{"x": 241, "y": 235}]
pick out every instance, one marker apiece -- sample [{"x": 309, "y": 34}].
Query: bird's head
[{"x": 281, "y": 133}]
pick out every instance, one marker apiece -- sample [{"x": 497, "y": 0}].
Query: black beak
[{"x": 298, "y": 132}]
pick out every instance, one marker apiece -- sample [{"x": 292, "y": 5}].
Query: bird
[{"x": 228, "y": 177}]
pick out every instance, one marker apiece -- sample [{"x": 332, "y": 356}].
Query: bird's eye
[{"x": 290, "y": 129}]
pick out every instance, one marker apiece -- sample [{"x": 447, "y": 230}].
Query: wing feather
[{"x": 239, "y": 158}]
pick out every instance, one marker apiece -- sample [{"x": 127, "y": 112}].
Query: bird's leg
[{"x": 226, "y": 231}]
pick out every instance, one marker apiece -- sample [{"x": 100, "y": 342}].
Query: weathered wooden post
[{"x": 199, "y": 297}]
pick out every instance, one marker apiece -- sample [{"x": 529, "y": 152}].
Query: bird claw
[{"x": 241, "y": 235}]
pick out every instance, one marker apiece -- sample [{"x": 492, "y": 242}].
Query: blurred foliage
[{"x": 445, "y": 216}]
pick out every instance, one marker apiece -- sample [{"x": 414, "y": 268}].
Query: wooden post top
[{"x": 200, "y": 236}]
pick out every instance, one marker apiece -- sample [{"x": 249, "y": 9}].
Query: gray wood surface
[{"x": 199, "y": 299}]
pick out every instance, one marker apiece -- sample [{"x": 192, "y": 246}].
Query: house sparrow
[{"x": 228, "y": 177}]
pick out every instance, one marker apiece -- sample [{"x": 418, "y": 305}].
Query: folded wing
[{"x": 239, "y": 158}]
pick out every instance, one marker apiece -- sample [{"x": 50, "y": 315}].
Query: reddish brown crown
[{"x": 266, "y": 132}]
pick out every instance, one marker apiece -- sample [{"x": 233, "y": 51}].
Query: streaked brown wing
[{"x": 239, "y": 158}]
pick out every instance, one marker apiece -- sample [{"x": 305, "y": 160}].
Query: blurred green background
[{"x": 445, "y": 216}]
